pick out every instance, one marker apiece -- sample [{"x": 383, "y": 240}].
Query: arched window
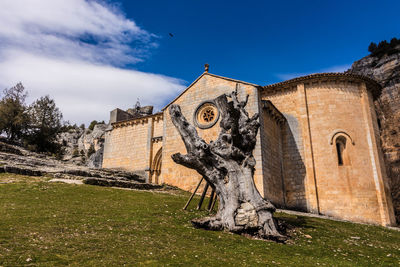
[
  {"x": 342, "y": 144},
  {"x": 340, "y": 150},
  {"x": 379, "y": 124}
]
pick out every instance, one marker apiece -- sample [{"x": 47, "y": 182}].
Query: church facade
[{"x": 318, "y": 147}]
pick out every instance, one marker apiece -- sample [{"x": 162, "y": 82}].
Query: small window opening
[
  {"x": 340, "y": 150},
  {"x": 379, "y": 124}
]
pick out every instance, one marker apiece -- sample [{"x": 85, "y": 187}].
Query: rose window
[{"x": 206, "y": 115}]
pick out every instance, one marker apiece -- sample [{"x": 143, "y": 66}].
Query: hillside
[{"x": 385, "y": 68}]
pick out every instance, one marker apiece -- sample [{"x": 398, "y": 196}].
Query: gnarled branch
[{"x": 228, "y": 165}]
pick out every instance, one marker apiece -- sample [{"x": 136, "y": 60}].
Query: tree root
[
  {"x": 209, "y": 223},
  {"x": 266, "y": 232}
]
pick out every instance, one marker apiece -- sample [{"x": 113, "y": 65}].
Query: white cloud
[
  {"x": 288, "y": 76},
  {"x": 85, "y": 91},
  {"x": 80, "y": 29},
  {"x": 75, "y": 51}
]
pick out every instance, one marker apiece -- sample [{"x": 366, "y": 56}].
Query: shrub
[
  {"x": 91, "y": 151},
  {"x": 75, "y": 153},
  {"x": 59, "y": 154},
  {"x": 92, "y": 124}
]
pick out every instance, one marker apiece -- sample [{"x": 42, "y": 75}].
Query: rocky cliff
[
  {"x": 83, "y": 146},
  {"x": 385, "y": 68}
]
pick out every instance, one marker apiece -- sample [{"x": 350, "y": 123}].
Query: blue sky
[
  {"x": 261, "y": 41},
  {"x": 92, "y": 56}
]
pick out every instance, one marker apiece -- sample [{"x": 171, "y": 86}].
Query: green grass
[{"x": 52, "y": 224}]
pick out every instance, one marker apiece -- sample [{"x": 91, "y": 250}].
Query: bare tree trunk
[{"x": 228, "y": 165}]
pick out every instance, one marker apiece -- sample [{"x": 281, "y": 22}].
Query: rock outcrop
[
  {"x": 83, "y": 147},
  {"x": 14, "y": 159},
  {"x": 386, "y": 70}
]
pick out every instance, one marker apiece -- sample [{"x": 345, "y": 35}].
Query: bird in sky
[{"x": 171, "y": 35}]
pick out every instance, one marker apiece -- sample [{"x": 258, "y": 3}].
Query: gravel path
[{"x": 299, "y": 213}]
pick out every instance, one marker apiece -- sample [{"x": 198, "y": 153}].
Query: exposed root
[
  {"x": 209, "y": 223},
  {"x": 267, "y": 231}
]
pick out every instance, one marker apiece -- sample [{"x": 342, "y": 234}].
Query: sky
[{"x": 93, "y": 56}]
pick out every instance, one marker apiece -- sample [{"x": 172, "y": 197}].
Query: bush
[
  {"x": 59, "y": 154},
  {"x": 91, "y": 151},
  {"x": 75, "y": 153},
  {"x": 67, "y": 127},
  {"x": 92, "y": 124}
]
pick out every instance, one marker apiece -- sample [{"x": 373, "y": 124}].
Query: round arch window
[{"x": 206, "y": 115}]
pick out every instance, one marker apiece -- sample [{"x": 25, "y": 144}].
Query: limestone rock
[
  {"x": 386, "y": 70},
  {"x": 96, "y": 159},
  {"x": 246, "y": 215},
  {"x": 9, "y": 148},
  {"x": 69, "y": 142},
  {"x": 78, "y": 144},
  {"x": 14, "y": 159}
]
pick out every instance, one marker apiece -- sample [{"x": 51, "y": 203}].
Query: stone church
[{"x": 318, "y": 148}]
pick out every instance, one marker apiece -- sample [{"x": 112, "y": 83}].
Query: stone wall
[
  {"x": 132, "y": 144},
  {"x": 318, "y": 112},
  {"x": 125, "y": 146},
  {"x": 335, "y": 108},
  {"x": 272, "y": 122},
  {"x": 207, "y": 87},
  {"x": 294, "y": 170}
]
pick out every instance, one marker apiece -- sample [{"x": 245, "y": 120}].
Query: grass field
[{"x": 52, "y": 224}]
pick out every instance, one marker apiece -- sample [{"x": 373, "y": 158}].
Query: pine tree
[{"x": 46, "y": 124}]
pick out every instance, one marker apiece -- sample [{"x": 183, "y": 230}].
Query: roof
[
  {"x": 372, "y": 85},
  {"x": 212, "y": 75}
]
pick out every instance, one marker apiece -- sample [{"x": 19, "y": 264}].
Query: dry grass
[{"x": 6, "y": 178}]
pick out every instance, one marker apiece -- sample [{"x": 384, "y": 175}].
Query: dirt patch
[
  {"x": 67, "y": 181},
  {"x": 6, "y": 178}
]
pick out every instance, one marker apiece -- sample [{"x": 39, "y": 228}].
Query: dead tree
[{"x": 228, "y": 165}]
